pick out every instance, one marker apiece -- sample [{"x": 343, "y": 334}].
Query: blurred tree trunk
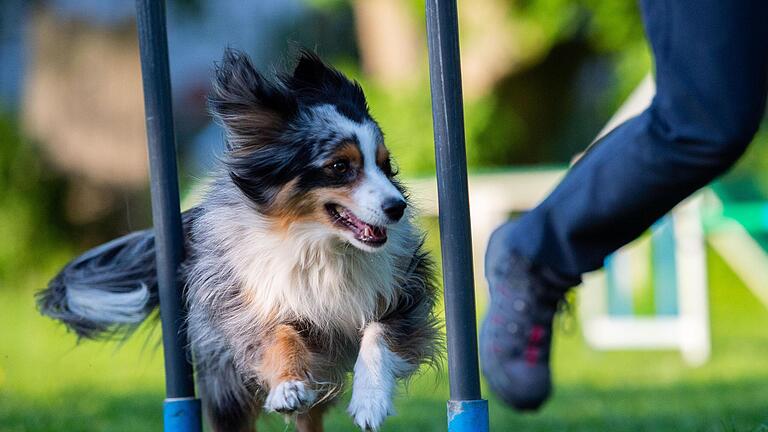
[
  {"x": 390, "y": 41},
  {"x": 82, "y": 103},
  {"x": 489, "y": 48},
  {"x": 83, "y": 99},
  {"x": 393, "y": 50}
]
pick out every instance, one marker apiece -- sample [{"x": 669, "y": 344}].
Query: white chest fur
[{"x": 306, "y": 272}]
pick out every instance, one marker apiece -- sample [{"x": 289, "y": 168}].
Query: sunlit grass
[{"x": 49, "y": 384}]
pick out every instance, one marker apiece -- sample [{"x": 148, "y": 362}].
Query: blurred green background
[{"x": 541, "y": 77}]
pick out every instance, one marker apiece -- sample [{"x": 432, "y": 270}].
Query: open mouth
[{"x": 368, "y": 234}]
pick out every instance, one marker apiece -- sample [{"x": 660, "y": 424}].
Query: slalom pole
[
  {"x": 467, "y": 411},
  {"x": 181, "y": 410}
]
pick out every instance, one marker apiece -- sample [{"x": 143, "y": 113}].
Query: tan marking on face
[
  {"x": 309, "y": 207},
  {"x": 382, "y": 156},
  {"x": 286, "y": 357},
  {"x": 317, "y": 199},
  {"x": 341, "y": 196},
  {"x": 288, "y": 207}
]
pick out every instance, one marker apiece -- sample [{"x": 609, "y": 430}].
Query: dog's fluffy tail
[{"x": 109, "y": 290}]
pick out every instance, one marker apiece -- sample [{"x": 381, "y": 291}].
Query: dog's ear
[
  {"x": 315, "y": 82},
  {"x": 251, "y": 108},
  {"x": 312, "y": 72}
]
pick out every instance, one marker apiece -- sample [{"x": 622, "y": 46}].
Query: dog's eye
[{"x": 340, "y": 167}]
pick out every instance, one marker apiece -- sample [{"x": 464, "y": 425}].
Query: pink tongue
[{"x": 366, "y": 230}]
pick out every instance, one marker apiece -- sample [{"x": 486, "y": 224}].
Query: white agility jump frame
[{"x": 687, "y": 330}]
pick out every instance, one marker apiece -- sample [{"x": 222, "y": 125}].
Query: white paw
[
  {"x": 289, "y": 397},
  {"x": 369, "y": 410}
]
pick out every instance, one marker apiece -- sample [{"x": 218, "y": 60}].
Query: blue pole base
[
  {"x": 182, "y": 415},
  {"x": 468, "y": 416}
]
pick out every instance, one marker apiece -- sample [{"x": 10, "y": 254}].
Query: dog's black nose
[{"x": 394, "y": 208}]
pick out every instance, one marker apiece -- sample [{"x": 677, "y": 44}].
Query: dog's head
[{"x": 302, "y": 147}]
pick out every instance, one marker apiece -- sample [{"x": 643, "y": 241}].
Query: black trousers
[{"x": 711, "y": 61}]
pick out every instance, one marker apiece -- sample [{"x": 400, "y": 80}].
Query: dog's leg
[
  {"x": 229, "y": 417},
  {"x": 404, "y": 338},
  {"x": 285, "y": 368},
  {"x": 229, "y": 405},
  {"x": 311, "y": 421},
  {"x": 376, "y": 372}
]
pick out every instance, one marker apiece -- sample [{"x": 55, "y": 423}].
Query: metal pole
[
  {"x": 181, "y": 410},
  {"x": 466, "y": 410}
]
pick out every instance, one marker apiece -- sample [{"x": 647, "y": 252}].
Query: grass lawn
[{"x": 49, "y": 384}]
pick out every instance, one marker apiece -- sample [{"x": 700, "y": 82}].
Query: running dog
[{"x": 302, "y": 260}]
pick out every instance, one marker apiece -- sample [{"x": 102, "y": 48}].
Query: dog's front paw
[
  {"x": 289, "y": 397},
  {"x": 370, "y": 410}
]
